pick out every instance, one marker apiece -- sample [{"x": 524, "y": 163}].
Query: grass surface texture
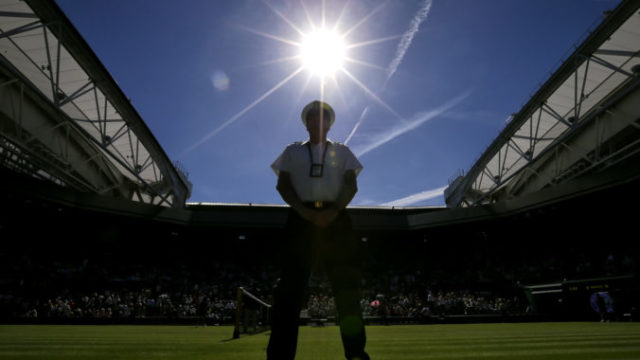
[{"x": 476, "y": 341}]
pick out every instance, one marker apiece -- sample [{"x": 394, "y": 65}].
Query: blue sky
[{"x": 438, "y": 79}]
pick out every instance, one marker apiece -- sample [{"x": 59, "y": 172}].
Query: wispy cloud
[
  {"x": 376, "y": 140},
  {"x": 407, "y": 38},
  {"x": 417, "y": 198},
  {"x": 403, "y": 46},
  {"x": 355, "y": 128}
]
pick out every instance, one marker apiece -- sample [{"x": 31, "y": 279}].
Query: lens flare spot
[{"x": 220, "y": 80}]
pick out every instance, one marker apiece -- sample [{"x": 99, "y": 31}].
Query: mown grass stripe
[{"x": 483, "y": 341}]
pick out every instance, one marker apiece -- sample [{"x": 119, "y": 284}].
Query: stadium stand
[{"x": 61, "y": 262}]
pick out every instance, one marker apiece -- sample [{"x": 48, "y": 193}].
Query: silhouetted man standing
[{"x": 317, "y": 178}]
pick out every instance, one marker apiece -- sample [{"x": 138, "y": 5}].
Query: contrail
[
  {"x": 403, "y": 46},
  {"x": 416, "y": 198},
  {"x": 407, "y": 38},
  {"x": 355, "y": 128},
  {"x": 420, "y": 118}
]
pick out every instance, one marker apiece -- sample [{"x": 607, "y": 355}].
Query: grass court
[{"x": 475, "y": 341}]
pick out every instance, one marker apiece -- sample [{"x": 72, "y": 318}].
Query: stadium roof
[
  {"x": 601, "y": 73},
  {"x": 65, "y": 119}
]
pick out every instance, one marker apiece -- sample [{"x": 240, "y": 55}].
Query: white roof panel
[
  {"x": 591, "y": 78},
  {"x": 61, "y": 79}
]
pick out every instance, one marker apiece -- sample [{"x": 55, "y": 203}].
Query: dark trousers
[{"x": 308, "y": 248}]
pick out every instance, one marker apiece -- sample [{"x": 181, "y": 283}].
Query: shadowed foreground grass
[{"x": 478, "y": 341}]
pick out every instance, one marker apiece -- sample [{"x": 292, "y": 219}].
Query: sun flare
[{"x": 322, "y": 52}]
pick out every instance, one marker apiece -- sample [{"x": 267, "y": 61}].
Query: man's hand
[
  {"x": 319, "y": 218},
  {"x": 323, "y": 218}
]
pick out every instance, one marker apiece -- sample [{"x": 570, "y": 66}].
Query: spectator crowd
[{"x": 206, "y": 291}]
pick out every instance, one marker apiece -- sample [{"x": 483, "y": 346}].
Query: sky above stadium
[{"x": 420, "y": 88}]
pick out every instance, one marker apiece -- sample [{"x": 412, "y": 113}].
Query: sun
[{"x": 322, "y": 52}]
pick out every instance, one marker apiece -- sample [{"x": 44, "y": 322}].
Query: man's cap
[{"x": 318, "y": 105}]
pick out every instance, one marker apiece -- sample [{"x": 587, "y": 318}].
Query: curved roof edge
[
  {"x": 462, "y": 187},
  {"x": 49, "y": 12}
]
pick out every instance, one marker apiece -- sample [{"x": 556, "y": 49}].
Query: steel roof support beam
[
  {"x": 584, "y": 83},
  {"x": 13, "y": 14},
  {"x": 609, "y": 65},
  {"x": 546, "y": 108},
  {"x": 623, "y": 53},
  {"x": 533, "y": 139},
  {"x": 78, "y": 93},
  {"x": 21, "y": 29},
  {"x": 517, "y": 149},
  {"x": 8, "y": 82}
]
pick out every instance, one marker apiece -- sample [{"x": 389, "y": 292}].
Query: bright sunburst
[{"x": 322, "y": 52}]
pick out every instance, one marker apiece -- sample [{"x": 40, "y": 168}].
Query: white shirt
[{"x": 295, "y": 160}]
